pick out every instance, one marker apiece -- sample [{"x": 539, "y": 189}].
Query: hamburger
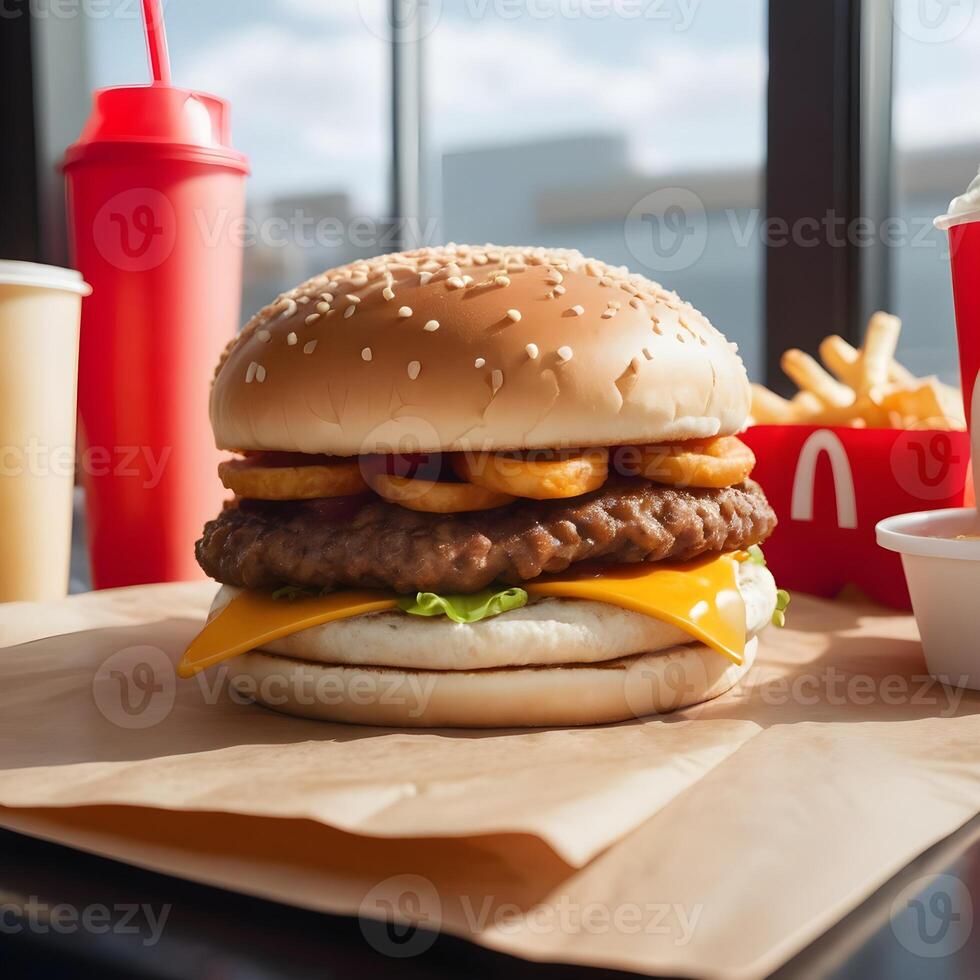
[{"x": 483, "y": 487}]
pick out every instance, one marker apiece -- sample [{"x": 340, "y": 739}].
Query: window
[
  {"x": 309, "y": 88},
  {"x": 937, "y": 151},
  {"x": 632, "y": 131}
]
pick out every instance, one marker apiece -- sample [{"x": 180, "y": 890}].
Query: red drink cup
[
  {"x": 156, "y": 198},
  {"x": 963, "y": 224},
  {"x": 964, "y": 254}
]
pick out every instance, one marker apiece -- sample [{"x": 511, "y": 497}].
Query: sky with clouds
[{"x": 683, "y": 79}]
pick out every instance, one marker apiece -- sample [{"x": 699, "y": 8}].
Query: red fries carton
[{"x": 831, "y": 486}]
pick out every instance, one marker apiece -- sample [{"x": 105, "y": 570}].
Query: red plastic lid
[{"x": 161, "y": 121}]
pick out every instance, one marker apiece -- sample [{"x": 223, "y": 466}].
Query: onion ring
[
  {"x": 340, "y": 477},
  {"x": 710, "y": 463},
  {"x": 434, "y": 497},
  {"x": 539, "y": 479}
]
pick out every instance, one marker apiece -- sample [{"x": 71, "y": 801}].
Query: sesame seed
[
  {"x": 405, "y": 312},
  {"x": 555, "y": 279},
  {"x": 327, "y": 298},
  {"x": 359, "y": 281},
  {"x": 680, "y": 337},
  {"x": 388, "y": 293},
  {"x": 532, "y": 351},
  {"x": 467, "y": 280},
  {"x": 263, "y": 335},
  {"x": 514, "y": 315},
  {"x": 455, "y": 282},
  {"x": 608, "y": 314},
  {"x": 559, "y": 290},
  {"x": 259, "y": 373},
  {"x": 303, "y": 300},
  {"x": 250, "y": 373},
  {"x": 414, "y": 369},
  {"x": 480, "y": 362},
  {"x": 565, "y": 353},
  {"x": 424, "y": 278},
  {"x": 502, "y": 280},
  {"x": 636, "y": 304},
  {"x": 312, "y": 318},
  {"x": 647, "y": 353},
  {"x": 367, "y": 354},
  {"x": 349, "y": 312},
  {"x": 497, "y": 380},
  {"x": 578, "y": 310},
  {"x": 351, "y": 298},
  {"x": 310, "y": 347},
  {"x": 432, "y": 326},
  {"x": 291, "y": 338},
  {"x": 323, "y": 307},
  {"x": 288, "y": 310}
]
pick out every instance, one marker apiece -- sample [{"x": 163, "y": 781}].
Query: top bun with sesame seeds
[{"x": 476, "y": 348}]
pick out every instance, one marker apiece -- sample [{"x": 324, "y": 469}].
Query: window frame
[
  {"x": 828, "y": 153},
  {"x": 828, "y": 157},
  {"x": 20, "y": 229}
]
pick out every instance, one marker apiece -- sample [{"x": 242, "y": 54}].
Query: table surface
[{"x": 213, "y": 933}]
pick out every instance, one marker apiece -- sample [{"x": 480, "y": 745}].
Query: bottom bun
[{"x": 519, "y": 697}]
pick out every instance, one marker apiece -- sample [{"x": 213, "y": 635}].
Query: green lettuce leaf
[
  {"x": 782, "y": 601},
  {"x": 464, "y": 608},
  {"x": 756, "y": 557}
]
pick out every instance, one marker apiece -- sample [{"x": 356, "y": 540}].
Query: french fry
[
  {"x": 805, "y": 404},
  {"x": 842, "y": 360},
  {"x": 864, "y": 388},
  {"x": 810, "y": 376},
  {"x": 768, "y": 408},
  {"x": 925, "y": 403},
  {"x": 880, "y": 343},
  {"x": 862, "y": 409}
]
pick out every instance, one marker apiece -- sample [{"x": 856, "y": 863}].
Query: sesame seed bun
[{"x": 476, "y": 348}]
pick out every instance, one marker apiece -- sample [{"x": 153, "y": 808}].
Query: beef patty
[{"x": 383, "y": 545}]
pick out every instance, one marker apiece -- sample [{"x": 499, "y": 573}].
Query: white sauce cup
[{"x": 943, "y": 575}]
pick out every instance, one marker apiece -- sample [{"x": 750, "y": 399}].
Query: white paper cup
[
  {"x": 40, "y": 307},
  {"x": 943, "y": 575}
]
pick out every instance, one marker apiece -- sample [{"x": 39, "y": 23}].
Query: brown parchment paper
[{"x": 716, "y": 842}]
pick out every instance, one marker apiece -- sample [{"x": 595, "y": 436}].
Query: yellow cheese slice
[
  {"x": 700, "y": 597},
  {"x": 252, "y": 619}
]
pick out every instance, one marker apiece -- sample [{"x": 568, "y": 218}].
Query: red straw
[{"x": 156, "y": 41}]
